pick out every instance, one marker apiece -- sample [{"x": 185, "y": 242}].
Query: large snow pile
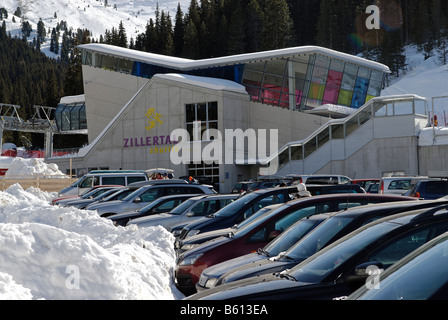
[
  {"x": 29, "y": 167},
  {"x": 49, "y": 252}
]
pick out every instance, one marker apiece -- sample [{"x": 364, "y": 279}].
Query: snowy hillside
[{"x": 88, "y": 14}]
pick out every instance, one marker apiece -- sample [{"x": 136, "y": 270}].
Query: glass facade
[
  {"x": 298, "y": 82},
  {"x": 71, "y": 116},
  {"x": 309, "y": 81}
]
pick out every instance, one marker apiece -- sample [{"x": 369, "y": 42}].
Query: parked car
[
  {"x": 83, "y": 203},
  {"x": 283, "y": 242},
  {"x": 158, "y": 206},
  {"x": 349, "y": 200},
  {"x": 365, "y": 183},
  {"x": 92, "y": 192},
  {"x": 373, "y": 187},
  {"x": 316, "y": 190},
  {"x": 256, "y": 234},
  {"x": 146, "y": 192},
  {"x": 320, "y": 178},
  {"x": 241, "y": 186},
  {"x": 398, "y": 185},
  {"x": 421, "y": 275},
  {"x": 104, "y": 177},
  {"x": 333, "y": 228},
  {"x": 342, "y": 267},
  {"x": 190, "y": 210},
  {"x": 429, "y": 189},
  {"x": 234, "y": 213},
  {"x": 258, "y": 185}
]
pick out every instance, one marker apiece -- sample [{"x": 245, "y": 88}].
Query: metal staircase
[{"x": 338, "y": 139}]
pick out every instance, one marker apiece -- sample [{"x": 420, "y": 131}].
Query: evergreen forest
[{"x": 213, "y": 28}]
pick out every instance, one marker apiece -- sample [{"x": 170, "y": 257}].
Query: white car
[{"x": 398, "y": 185}]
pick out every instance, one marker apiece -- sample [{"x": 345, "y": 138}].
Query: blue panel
[{"x": 360, "y": 93}]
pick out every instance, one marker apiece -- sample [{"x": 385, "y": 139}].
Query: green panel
[
  {"x": 345, "y": 97},
  {"x": 316, "y": 91}
]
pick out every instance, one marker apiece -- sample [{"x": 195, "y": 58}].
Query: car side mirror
[
  {"x": 190, "y": 214},
  {"x": 137, "y": 200}
]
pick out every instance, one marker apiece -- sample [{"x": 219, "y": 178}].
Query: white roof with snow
[{"x": 188, "y": 64}]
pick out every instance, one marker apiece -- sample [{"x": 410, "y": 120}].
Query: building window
[
  {"x": 200, "y": 118},
  {"x": 71, "y": 116},
  {"x": 205, "y": 173}
]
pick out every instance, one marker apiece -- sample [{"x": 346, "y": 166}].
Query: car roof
[{"x": 335, "y": 196}]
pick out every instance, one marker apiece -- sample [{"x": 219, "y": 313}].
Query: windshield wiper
[
  {"x": 260, "y": 251},
  {"x": 287, "y": 276}
]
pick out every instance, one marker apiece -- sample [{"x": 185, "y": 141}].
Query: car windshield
[
  {"x": 285, "y": 240},
  {"x": 183, "y": 206},
  {"x": 253, "y": 217},
  {"x": 115, "y": 194},
  {"x": 318, "y": 238},
  {"x": 236, "y": 205},
  {"x": 132, "y": 195},
  {"x": 319, "y": 266},
  {"x": 418, "y": 277},
  {"x": 148, "y": 207}
]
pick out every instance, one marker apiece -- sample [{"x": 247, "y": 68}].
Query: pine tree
[
  {"x": 191, "y": 41},
  {"x": 122, "y": 40},
  {"x": 179, "y": 31},
  {"x": 277, "y": 25}
]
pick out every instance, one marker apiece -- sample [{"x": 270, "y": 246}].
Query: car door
[
  {"x": 386, "y": 253},
  {"x": 146, "y": 197}
]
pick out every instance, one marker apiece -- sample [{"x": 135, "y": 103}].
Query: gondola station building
[{"x": 139, "y": 107}]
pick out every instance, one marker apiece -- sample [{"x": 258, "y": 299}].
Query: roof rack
[{"x": 429, "y": 213}]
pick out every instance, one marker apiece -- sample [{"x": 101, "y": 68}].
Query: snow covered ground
[
  {"x": 426, "y": 78},
  {"x": 56, "y": 253}
]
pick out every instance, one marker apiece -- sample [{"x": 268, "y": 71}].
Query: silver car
[
  {"x": 190, "y": 210},
  {"x": 143, "y": 195}
]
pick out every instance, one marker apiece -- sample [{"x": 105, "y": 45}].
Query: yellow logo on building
[{"x": 154, "y": 119}]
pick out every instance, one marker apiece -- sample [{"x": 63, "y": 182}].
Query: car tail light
[
  {"x": 417, "y": 194},
  {"x": 382, "y": 187}
]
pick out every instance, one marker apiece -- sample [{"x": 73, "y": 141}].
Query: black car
[
  {"x": 209, "y": 276},
  {"x": 345, "y": 265},
  {"x": 208, "y": 228},
  {"x": 335, "y": 226},
  {"x": 316, "y": 190},
  {"x": 421, "y": 275},
  {"x": 237, "y": 211},
  {"x": 241, "y": 186}
]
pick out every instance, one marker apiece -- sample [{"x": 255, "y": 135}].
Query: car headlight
[
  {"x": 193, "y": 232},
  {"x": 210, "y": 283},
  {"x": 189, "y": 246},
  {"x": 189, "y": 260},
  {"x": 176, "y": 232}
]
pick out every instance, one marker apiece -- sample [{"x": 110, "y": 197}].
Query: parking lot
[{"x": 270, "y": 243}]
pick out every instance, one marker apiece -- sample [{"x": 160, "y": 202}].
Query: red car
[{"x": 257, "y": 233}]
